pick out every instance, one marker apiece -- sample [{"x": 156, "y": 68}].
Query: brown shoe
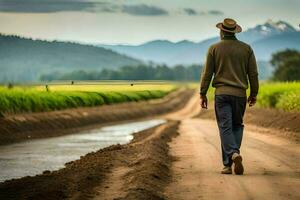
[
  {"x": 226, "y": 170},
  {"x": 238, "y": 165}
]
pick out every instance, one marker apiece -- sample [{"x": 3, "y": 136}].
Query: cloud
[
  {"x": 95, "y": 6},
  {"x": 142, "y": 9},
  {"x": 190, "y": 11},
  {"x": 215, "y": 12},
  {"x": 48, "y": 6}
]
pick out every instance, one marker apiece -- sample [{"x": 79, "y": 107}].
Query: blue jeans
[{"x": 229, "y": 114}]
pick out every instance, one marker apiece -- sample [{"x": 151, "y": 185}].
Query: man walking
[{"x": 232, "y": 63}]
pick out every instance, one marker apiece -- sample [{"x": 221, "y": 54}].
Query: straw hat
[{"x": 229, "y": 25}]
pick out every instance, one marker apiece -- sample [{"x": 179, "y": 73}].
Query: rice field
[{"x": 41, "y": 98}]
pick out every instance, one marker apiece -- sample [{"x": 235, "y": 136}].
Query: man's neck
[{"x": 229, "y": 37}]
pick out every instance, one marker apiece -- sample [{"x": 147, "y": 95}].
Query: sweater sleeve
[
  {"x": 207, "y": 73},
  {"x": 253, "y": 75}
]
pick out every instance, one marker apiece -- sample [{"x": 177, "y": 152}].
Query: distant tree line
[
  {"x": 140, "y": 72},
  {"x": 287, "y": 65}
]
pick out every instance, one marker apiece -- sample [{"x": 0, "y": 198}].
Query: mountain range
[
  {"x": 265, "y": 40},
  {"x": 24, "y": 59}
]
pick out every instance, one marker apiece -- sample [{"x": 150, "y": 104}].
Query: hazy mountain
[
  {"x": 158, "y": 51},
  {"x": 264, "y": 47},
  {"x": 25, "y": 59},
  {"x": 265, "y": 70},
  {"x": 187, "y": 52}
]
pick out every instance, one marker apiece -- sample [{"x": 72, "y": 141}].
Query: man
[{"x": 232, "y": 63}]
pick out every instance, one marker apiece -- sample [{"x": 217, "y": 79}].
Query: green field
[
  {"x": 24, "y": 99},
  {"x": 285, "y": 96},
  {"x": 279, "y": 95},
  {"x": 20, "y": 99}
]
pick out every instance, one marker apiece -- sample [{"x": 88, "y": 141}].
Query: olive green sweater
[{"x": 232, "y": 63}]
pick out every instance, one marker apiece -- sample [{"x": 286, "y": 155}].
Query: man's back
[{"x": 231, "y": 61}]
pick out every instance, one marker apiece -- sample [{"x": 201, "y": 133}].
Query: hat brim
[{"x": 237, "y": 29}]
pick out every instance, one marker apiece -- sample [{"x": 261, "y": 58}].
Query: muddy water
[{"x": 33, "y": 157}]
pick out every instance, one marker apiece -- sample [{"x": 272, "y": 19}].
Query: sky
[{"x": 136, "y": 21}]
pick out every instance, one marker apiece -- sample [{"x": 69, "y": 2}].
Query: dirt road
[{"x": 272, "y": 164}]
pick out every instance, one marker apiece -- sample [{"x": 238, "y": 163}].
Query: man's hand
[
  {"x": 251, "y": 101},
  {"x": 203, "y": 101}
]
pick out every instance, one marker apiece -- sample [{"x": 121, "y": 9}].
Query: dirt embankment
[
  {"x": 138, "y": 170},
  {"x": 14, "y": 128}
]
